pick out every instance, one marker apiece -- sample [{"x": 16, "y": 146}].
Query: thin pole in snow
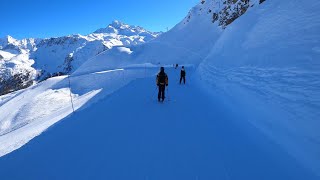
[
  {"x": 70, "y": 93},
  {"x": 168, "y": 94}
]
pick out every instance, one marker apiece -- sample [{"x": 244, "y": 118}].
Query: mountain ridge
[{"x": 60, "y": 55}]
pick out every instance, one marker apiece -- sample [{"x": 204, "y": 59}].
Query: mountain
[
  {"x": 138, "y": 34},
  {"x": 60, "y": 55},
  {"x": 65, "y": 54},
  {"x": 15, "y": 46},
  {"x": 249, "y": 109},
  {"x": 188, "y": 42}
]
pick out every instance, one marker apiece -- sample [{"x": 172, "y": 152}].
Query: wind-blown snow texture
[
  {"x": 273, "y": 73},
  {"x": 250, "y": 110}
]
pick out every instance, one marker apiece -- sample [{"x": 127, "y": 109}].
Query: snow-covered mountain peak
[
  {"x": 8, "y": 40},
  {"x": 15, "y": 46},
  {"x": 43, "y": 58},
  {"x": 118, "y": 24},
  {"x": 120, "y": 28}
]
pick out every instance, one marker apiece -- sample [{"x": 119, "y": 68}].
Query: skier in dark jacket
[
  {"x": 162, "y": 82},
  {"x": 183, "y": 75}
]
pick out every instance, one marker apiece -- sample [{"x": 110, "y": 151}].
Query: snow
[
  {"x": 37, "y": 108},
  {"x": 12, "y": 64},
  {"x": 179, "y": 45},
  {"x": 65, "y": 54},
  {"x": 124, "y": 50},
  {"x": 273, "y": 74},
  {"x": 249, "y": 109},
  {"x": 6, "y": 55},
  {"x": 129, "y": 135},
  {"x": 119, "y": 28},
  {"x": 15, "y": 46}
]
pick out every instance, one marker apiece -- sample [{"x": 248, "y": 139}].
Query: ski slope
[
  {"x": 129, "y": 135},
  {"x": 27, "y": 113},
  {"x": 250, "y": 110}
]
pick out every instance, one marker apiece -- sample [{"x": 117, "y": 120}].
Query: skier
[
  {"x": 183, "y": 75},
  {"x": 162, "y": 82}
]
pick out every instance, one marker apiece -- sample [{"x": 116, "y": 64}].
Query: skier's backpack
[
  {"x": 162, "y": 78},
  {"x": 183, "y": 73}
]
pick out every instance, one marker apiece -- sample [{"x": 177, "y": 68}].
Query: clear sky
[{"x": 51, "y": 18}]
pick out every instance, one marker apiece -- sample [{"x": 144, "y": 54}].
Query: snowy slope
[
  {"x": 35, "y": 109},
  {"x": 60, "y": 55},
  {"x": 273, "y": 73},
  {"x": 188, "y": 42},
  {"x": 53, "y": 54},
  {"x": 129, "y": 135},
  {"x": 65, "y": 54},
  {"x": 249, "y": 112},
  {"x": 15, "y": 71},
  {"x": 15, "y": 46},
  {"x": 179, "y": 45}
]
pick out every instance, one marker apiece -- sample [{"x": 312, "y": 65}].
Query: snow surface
[
  {"x": 184, "y": 44},
  {"x": 11, "y": 64},
  {"x": 129, "y": 135},
  {"x": 249, "y": 110},
  {"x": 273, "y": 73},
  {"x": 35, "y": 109}
]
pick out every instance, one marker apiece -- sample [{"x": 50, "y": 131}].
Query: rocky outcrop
[
  {"x": 223, "y": 12},
  {"x": 15, "y": 82},
  {"x": 261, "y": 1},
  {"x": 68, "y": 63},
  {"x": 231, "y": 11}
]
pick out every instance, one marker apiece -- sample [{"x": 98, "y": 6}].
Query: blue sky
[{"x": 45, "y": 18}]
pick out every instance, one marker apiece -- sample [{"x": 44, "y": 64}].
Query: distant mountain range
[{"x": 26, "y": 60}]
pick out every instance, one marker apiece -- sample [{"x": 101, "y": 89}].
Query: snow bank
[{"x": 266, "y": 66}]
